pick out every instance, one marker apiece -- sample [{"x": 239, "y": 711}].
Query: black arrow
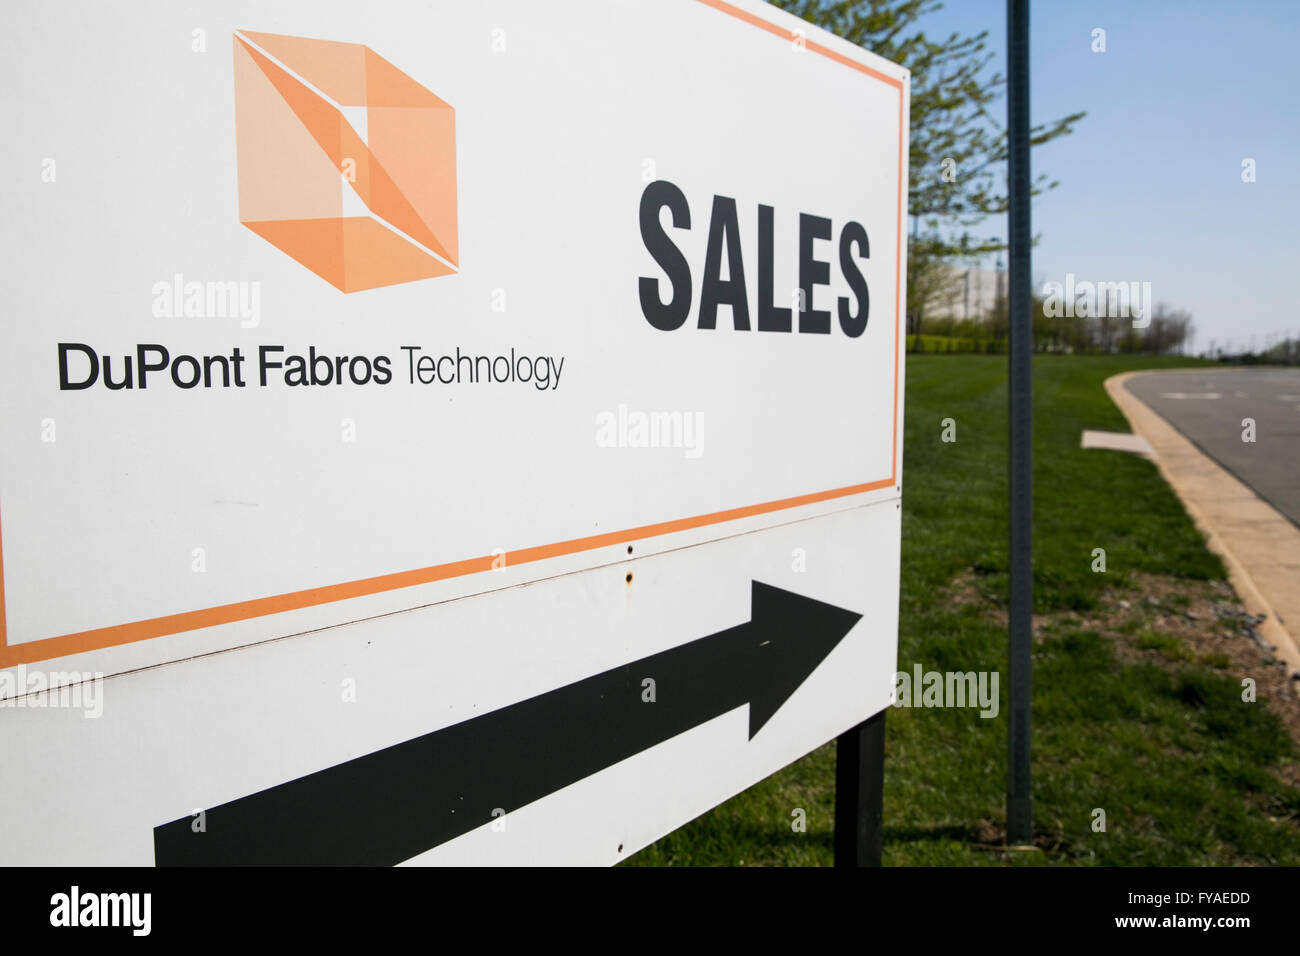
[{"x": 390, "y": 805}]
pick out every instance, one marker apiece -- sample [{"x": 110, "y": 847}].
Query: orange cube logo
[{"x": 345, "y": 162}]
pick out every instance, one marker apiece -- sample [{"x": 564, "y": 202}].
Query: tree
[
  {"x": 952, "y": 119},
  {"x": 1169, "y": 330},
  {"x": 931, "y": 282}
]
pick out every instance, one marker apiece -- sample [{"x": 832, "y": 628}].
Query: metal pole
[
  {"x": 859, "y": 793},
  {"x": 1020, "y": 811}
]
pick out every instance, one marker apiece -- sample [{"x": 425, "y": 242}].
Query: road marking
[{"x": 1190, "y": 395}]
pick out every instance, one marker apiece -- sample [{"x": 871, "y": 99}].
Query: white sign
[{"x": 331, "y": 327}]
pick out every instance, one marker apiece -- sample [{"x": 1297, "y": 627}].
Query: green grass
[
  {"x": 1168, "y": 645},
  {"x": 1177, "y": 762}
]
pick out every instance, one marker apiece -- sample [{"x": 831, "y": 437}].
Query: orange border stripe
[
  {"x": 723, "y": 7},
  {"x": 102, "y": 637},
  {"x": 898, "y": 281},
  {"x": 116, "y": 635}
]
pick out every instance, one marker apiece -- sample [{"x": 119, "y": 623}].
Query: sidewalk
[{"x": 1259, "y": 547}]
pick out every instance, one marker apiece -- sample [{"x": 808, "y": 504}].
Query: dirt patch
[
  {"x": 967, "y": 589},
  {"x": 1163, "y": 619},
  {"x": 1171, "y": 621}
]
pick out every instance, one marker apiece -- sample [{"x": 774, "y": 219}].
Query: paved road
[{"x": 1207, "y": 406}]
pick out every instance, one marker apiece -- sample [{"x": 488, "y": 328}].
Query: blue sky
[{"x": 1150, "y": 181}]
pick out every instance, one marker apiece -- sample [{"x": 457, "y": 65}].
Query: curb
[{"x": 1245, "y": 531}]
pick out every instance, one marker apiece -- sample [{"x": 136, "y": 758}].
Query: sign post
[
  {"x": 1020, "y": 825},
  {"x": 859, "y": 793}
]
